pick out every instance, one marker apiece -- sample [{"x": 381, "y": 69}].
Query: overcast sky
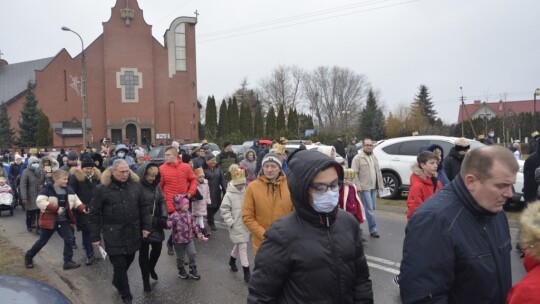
[{"x": 491, "y": 48}]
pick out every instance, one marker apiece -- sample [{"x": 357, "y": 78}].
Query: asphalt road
[{"x": 217, "y": 284}]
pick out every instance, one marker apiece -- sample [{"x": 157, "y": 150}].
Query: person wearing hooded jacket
[
  {"x": 217, "y": 186},
  {"x": 121, "y": 152},
  {"x": 32, "y": 180},
  {"x": 72, "y": 161},
  {"x": 314, "y": 254},
  {"x": 83, "y": 181},
  {"x": 452, "y": 163},
  {"x": 266, "y": 199},
  {"x": 154, "y": 203},
  {"x": 438, "y": 150},
  {"x": 529, "y": 183}
]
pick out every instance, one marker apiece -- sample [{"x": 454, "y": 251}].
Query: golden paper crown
[
  {"x": 238, "y": 175},
  {"x": 349, "y": 173},
  {"x": 278, "y": 148},
  {"x": 33, "y": 151}
]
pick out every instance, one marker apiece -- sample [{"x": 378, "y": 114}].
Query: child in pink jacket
[{"x": 202, "y": 199}]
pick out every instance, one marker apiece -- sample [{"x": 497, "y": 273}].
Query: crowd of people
[{"x": 302, "y": 211}]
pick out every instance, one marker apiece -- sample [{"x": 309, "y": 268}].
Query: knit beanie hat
[
  {"x": 271, "y": 157},
  {"x": 209, "y": 156},
  {"x": 139, "y": 154},
  {"x": 186, "y": 158},
  {"x": 72, "y": 155},
  {"x": 226, "y": 144},
  {"x": 87, "y": 162},
  {"x": 198, "y": 172}
]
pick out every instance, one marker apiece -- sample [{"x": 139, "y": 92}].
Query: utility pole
[{"x": 461, "y": 108}]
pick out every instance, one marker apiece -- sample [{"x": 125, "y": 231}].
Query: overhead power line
[{"x": 290, "y": 21}]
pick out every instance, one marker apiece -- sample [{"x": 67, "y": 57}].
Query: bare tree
[
  {"x": 335, "y": 94},
  {"x": 282, "y": 87}
]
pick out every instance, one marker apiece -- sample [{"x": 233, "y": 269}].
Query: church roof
[{"x": 14, "y": 77}]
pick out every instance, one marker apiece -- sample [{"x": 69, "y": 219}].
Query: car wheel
[{"x": 391, "y": 181}]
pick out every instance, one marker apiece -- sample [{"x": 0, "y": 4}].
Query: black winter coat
[
  {"x": 529, "y": 183},
  {"x": 455, "y": 251},
  {"x": 84, "y": 189},
  {"x": 117, "y": 210},
  {"x": 154, "y": 203},
  {"x": 309, "y": 257},
  {"x": 452, "y": 163},
  {"x": 217, "y": 185}
]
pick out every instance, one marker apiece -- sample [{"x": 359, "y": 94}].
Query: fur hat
[
  {"x": 462, "y": 142},
  {"x": 271, "y": 157},
  {"x": 530, "y": 229},
  {"x": 72, "y": 155},
  {"x": 198, "y": 172},
  {"x": 238, "y": 175},
  {"x": 87, "y": 162},
  {"x": 535, "y": 134},
  {"x": 349, "y": 174}
]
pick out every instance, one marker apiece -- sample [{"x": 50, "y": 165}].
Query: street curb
[
  {"x": 56, "y": 279},
  {"x": 403, "y": 210}
]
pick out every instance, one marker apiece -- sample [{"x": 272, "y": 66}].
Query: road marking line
[
  {"x": 383, "y": 268},
  {"x": 383, "y": 261}
]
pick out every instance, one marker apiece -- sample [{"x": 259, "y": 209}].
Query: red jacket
[
  {"x": 343, "y": 196},
  {"x": 177, "y": 178},
  {"x": 528, "y": 289},
  {"x": 420, "y": 190}
]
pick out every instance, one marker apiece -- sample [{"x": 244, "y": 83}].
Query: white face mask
[
  {"x": 121, "y": 154},
  {"x": 35, "y": 165},
  {"x": 325, "y": 202}
]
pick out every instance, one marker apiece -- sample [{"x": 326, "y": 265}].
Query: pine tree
[
  {"x": 270, "y": 123},
  {"x": 44, "y": 131},
  {"x": 258, "y": 123},
  {"x": 371, "y": 119},
  {"x": 7, "y": 133},
  {"x": 246, "y": 122},
  {"x": 281, "y": 127},
  {"x": 223, "y": 127},
  {"x": 210, "y": 126},
  {"x": 292, "y": 123},
  {"x": 29, "y": 117},
  {"x": 234, "y": 117},
  {"x": 423, "y": 103}
]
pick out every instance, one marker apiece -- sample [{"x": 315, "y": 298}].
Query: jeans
[
  {"x": 121, "y": 265},
  {"x": 181, "y": 250},
  {"x": 369, "y": 200},
  {"x": 64, "y": 230},
  {"x": 87, "y": 243}
]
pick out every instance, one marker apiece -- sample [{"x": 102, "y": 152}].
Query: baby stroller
[{"x": 6, "y": 203}]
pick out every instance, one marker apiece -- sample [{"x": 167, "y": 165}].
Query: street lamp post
[
  {"x": 346, "y": 113},
  {"x": 83, "y": 84},
  {"x": 536, "y": 93}
]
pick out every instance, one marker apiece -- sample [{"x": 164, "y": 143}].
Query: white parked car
[{"x": 397, "y": 155}]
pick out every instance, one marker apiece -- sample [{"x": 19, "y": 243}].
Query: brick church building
[{"x": 137, "y": 89}]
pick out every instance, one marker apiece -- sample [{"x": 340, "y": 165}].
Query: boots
[
  {"x": 247, "y": 274},
  {"x": 146, "y": 282},
  {"x": 232, "y": 263},
  {"x": 205, "y": 232},
  {"x": 193, "y": 273},
  {"x": 182, "y": 272},
  {"x": 28, "y": 262}
]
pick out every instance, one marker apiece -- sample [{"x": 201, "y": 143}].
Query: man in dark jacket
[
  {"x": 315, "y": 253},
  {"x": 457, "y": 243},
  {"x": 452, "y": 163},
  {"x": 118, "y": 210},
  {"x": 225, "y": 159},
  {"x": 533, "y": 143},
  {"x": 340, "y": 147},
  {"x": 529, "y": 183}
]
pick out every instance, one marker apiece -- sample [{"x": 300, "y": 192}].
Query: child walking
[
  {"x": 349, "y": 199},
  {"x": 231, "y": 211},
  {"x": 183, "y": 230},
  {"x": 202, "y": 199},
  {"x": 56, "y": 201},
  {"x": 423, "y": 181}
]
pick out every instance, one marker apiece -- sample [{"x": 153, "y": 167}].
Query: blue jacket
[{"x": 455, "y": 251}]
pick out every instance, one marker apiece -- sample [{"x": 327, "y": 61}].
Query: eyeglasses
[
  {"x": 368, "y": 145},
  {"x": 322, "y": 187}
]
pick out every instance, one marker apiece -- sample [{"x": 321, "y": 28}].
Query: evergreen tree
[
  {"x": 7, "y": 133},
  {"x": 44, "y": 131},
  {"x": 29, "y": 117},
  {"x": 281, "y": 127},
  {"x": 372, "y": 120},
  {"x": 210, "y": 126},
  {"x": 246, "y": 122},
  {"x": 424, "y": 106},
  {"x": 270, "y": 123},
  {"x": 234, "y": 117},
  {"x": 292, "y": 123},
  {"x": 258, "y": 123},
  {"x": 223, "y": 127}
]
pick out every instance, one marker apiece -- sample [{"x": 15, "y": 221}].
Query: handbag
[{"x": 156, "y": 235}]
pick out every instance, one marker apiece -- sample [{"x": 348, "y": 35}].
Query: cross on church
[
  {"x": 1, "y": 54},
  {"x": 129, "y": 81}
]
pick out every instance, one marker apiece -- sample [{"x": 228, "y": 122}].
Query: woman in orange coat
[{"x": 267, "y": 199}]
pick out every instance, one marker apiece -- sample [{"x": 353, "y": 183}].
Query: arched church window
[{"x": 180, "y": 47}]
